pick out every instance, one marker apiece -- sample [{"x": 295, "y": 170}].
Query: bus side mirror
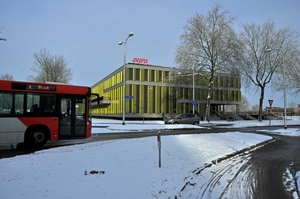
[{"x": 98, "y": 98}]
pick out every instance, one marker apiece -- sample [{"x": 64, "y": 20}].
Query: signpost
[
  {"x": 194, "y": 104},
  {"x": 270, "y": 102}
]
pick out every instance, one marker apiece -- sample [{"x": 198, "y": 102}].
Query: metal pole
[
  {"x": 193, "y": 90},
  {"x": 124, "y": 83},
  {"x": 270, "y": 116},
  {"x": 284, "y": 92},
  {"x": 124, "y": 76}
]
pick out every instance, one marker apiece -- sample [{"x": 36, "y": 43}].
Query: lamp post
[
  {"x": 193, "y": 90},
  {"x": 124, "y": 76},
  {"x": 283, "y": 84}
]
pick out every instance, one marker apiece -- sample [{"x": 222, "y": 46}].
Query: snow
[{"x": 129, "y": 168}]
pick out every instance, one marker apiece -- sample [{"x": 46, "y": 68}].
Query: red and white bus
[{"x": 34, "y": 113}]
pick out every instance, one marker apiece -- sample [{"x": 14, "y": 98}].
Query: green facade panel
[{"x": 153, "y": 95}]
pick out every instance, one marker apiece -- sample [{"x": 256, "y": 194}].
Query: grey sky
[{"x": 87, "y": 33}]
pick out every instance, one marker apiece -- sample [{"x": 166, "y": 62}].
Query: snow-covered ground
[{"x": 127, "y": 168}]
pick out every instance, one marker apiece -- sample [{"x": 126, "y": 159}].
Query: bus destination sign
[
  {"x": 41, "y": 87},
  {"x": 36, "y": 87}
]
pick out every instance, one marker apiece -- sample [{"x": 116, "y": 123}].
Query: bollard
[{"x": 159, "y": 148}]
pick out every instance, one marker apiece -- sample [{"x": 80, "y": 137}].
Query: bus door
[{"x": 72, "y": 122}]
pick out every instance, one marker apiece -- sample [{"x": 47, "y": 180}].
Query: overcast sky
[{"x": 87, "y": 33}]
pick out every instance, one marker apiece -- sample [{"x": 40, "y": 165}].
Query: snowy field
[{"x": 127, "y": 168}]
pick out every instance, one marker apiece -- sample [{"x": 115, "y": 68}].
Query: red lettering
[{"x": 139, "y": 60}]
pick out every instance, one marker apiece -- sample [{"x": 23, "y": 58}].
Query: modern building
[{"x": 154, "y": 91}]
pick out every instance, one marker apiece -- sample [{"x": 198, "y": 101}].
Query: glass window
[
  {"x": 80, "y": 108},
  {"x": 145, "y": 75},
  {"x": 11, "y": 103},
  {"x": 19, "y": 103},
  {"x": 6, "y": 103},
  {"x": 145, "y": 99},
  {"x": 130, "y": 74},
  {"x": 42, "y": 103},
  {"x": 167, "y": 76},
  {"x": 137, "y": 74},
  {"x": 152, "y": 75},
  {"x": 160, "y": 76}
]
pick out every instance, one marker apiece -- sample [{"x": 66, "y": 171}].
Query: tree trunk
[
  {"x": 208, "y": 104},
  {"x": 261, "y": 100}
]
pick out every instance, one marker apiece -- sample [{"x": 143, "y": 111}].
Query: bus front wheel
[{"x": 36, "y": 137}]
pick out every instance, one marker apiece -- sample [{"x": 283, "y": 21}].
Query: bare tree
[
  {"x": 206, "y": 46},
  {"x": 6, "y": 77},
  {"x": 245, "y": 104},
  {"x": 50, "y": 68},
  {"x": 255, "y": 107},
  {"x": 290, "y": 65},
  {"x": 2, "y": 38},
  {"x": 293, "y": 105},
  {"x": 255, "y": 61}
]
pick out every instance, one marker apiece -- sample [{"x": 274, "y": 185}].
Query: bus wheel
[{"x": 37, "y": 137}]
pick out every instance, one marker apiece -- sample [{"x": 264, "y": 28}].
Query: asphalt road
[
  {"x": 259, "y": 174},
  {"x": 6, "y": 150},
  {"x": 267, "y": 165}
]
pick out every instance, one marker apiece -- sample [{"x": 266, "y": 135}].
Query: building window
[
  {"x": 137, "y": 74},
  {"x": 130, "y": 73},
  {"x": 153, "y": 99},
  {"x": 160, "y": 76},
  {"x": 130, "y": 94},
  {"x": 145, "y": 75},
  {"x": 138, "y": 106},
  {"x": 186, "y": 93},
  {"x": 166, "y": 76},
  {"x": 152, "y": 75},
  {"x": 167, "y": 109},
  {"x": 145, "y": 99}
]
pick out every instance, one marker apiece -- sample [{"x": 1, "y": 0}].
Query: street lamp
[
  {"x": 124, "y": 76},
  {"x": 283, "y": 84},
  {"x": 193, "y": 90}
]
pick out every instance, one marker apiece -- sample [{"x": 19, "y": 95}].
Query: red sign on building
[{"x": 140, "y": 60}]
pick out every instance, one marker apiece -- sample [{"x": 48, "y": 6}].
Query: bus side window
[
  {"x": 11, "y": 103},
  {"x": 39, "y": 111},
  {"x": 33, "y": 108}
]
